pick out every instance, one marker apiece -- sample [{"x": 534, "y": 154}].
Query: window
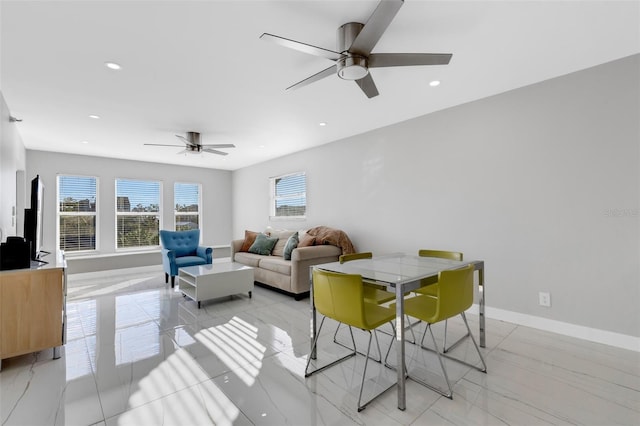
[
  {"x": 289, "y": 196},
  {"x": 77, "y": 213},
  {"x": 137, "y": 213},
  {"x": 186, "y": 198}
]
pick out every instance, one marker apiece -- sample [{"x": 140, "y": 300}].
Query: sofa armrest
[
  {"x": 304, "y": 257},
  {"x": 205, "y": 253},
  {"x": 312, "y": 252},
  {"x": 236, "y": 245}
]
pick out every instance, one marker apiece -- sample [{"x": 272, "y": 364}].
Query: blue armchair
[{"x": 179, "y": 249}]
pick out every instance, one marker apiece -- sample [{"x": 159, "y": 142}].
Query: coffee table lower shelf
[{"x": 204, "y": 282}]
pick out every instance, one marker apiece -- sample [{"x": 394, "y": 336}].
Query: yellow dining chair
[
  {"x": 341, "y": 297},
  {"x": 373, "y": 293},
  {"x": 454, "y": 296},
  {"x": 432, "y": 290}
]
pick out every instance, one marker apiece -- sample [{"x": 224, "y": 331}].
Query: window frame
[
  {"x": 198, "y": 214},
  {"x": 273, "y": 198},
  {"x": 132, "y": 214},
  {"x": 95, "y": 214}
]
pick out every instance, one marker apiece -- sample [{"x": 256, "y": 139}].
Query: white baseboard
[{"x": 581, "y": 332}]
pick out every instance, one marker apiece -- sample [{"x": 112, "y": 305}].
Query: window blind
[
  {"x": 187, "y": 206},
  {"x": 77, "y": 212},
  {"x": 289, "y": 195},
  {"x": 137, "y": 213}
]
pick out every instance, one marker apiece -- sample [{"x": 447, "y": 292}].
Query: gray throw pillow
[
  {"x": 263, "y": 245},
  {"x": 292, "y": 243}
]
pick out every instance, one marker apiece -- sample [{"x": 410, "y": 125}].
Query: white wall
[
  {"x": 216, "y": 197},
  {"x": 12, "y": 163},
  {"x": 541, "y": 182}
]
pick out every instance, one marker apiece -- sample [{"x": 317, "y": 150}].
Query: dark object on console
[{"x": 15, "y": 254}]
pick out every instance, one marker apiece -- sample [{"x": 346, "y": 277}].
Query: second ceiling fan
[{"x": 353, "y": 56}]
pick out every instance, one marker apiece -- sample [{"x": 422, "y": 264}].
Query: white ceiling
[{"x": 200, "y": 66}]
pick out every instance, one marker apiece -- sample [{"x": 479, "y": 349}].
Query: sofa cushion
[
  {"x": 248, "y": 259},
  {"x": 263, "y": 245},
  {"x": 249, "y": 239},
  {"x": 292, "y": 243},
  {"x": 276, "y": 264},
  {"x": 283, "y": 237}
]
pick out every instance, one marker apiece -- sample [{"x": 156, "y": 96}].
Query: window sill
[
  {"x": 283, "y": 218},
  {"x": 71, "y": 256}
]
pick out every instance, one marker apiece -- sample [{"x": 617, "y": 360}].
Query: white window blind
[
  {"x": 77, "y": 213},
  {"x": 137, "y": 213},
  {"x": 187, "y": 206},
  {"x": 289, "y": 196}
]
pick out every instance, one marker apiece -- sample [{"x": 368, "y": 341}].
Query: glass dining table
[{"x": 401, "y": 273}]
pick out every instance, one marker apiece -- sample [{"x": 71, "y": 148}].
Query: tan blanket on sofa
[{"x": 335, "y": 237}]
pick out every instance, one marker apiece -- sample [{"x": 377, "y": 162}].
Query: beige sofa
[{"x": 290, "y": 276}]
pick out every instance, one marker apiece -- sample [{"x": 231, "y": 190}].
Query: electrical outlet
[{"x": 544, "y": 299}]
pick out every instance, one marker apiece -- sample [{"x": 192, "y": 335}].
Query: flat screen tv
[{"x": 33, "y": 226}]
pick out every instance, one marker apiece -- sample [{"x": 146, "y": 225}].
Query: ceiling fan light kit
[{"x": 353, "y": 57}]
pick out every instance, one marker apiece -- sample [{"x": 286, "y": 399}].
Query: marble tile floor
[{"x": 138, "y": 353}]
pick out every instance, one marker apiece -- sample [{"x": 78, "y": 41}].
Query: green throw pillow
[
  {"x": 292, "y": 243},
  {"x": 263, "y": 245}
]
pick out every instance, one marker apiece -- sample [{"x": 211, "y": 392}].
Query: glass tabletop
[{"x": 392, "y": 269}]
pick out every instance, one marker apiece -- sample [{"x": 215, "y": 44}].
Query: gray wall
[
  {"x": 216, "y": 199},
  {"x": 12, "y": 179},
  {"x": 541, "y": 182}
]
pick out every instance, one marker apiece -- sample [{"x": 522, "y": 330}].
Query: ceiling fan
[
  {"x": 193, "y": 145},
  {"x": 353, "y": 56}
]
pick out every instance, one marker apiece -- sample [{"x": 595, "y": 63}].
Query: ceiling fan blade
[
  {"x": 368, "y": 86},
  {"x": 378, "y": 60},
  {"x": 319, "y": 76},
  {"x": 219, "y": 145},
  {"x": 214, "y": 151},
  {"x": 159, "y": 144},
  {"x": 185, "y": 140},
  {"x": 302, "y": 47},
  {"x": 375, "y": 27}
]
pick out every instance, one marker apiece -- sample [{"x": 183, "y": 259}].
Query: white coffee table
[{"x": 204, "y": 282}]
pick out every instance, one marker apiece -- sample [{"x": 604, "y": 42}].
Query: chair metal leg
[
  {"x": 444, "y": 372},
  {"x": 482, "y": 369},
  {"x": 484, "y": 365},
  {"x": 386, "y": 364},
  {"x": 335, "y": 340},
  {"x": 410, "y": 326},
  {"x": 446, "y": 349},
  {"x": 308, "y": 373},
  {"x": 364, "y": 374}
]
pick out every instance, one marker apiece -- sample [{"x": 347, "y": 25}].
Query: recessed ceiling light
[
  {"x": 94, "y": 116},
  {"x": 434, "y": 83},
  {"x": 260, "y": 146},
  {"x": 85, "y": 142},
  {"x": 322, "y": 124},
  {"x": 112, "y": 65}
]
